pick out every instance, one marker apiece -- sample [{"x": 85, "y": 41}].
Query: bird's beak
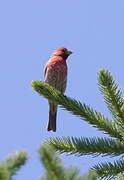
[{"x": 69, "y": 52}]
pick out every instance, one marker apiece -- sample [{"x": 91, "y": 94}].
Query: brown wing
[{"x": 45, "y": 69}]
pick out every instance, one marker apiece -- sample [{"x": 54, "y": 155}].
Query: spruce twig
[{"x": 77, "y": 108}]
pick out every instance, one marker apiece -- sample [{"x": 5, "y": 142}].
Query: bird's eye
[{"x": 63, "y": 50}]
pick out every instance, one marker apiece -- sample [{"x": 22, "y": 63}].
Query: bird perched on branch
[{"x": 56, "y": 76}]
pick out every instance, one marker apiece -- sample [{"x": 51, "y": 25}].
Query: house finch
[{"x": 56, "y": 75}]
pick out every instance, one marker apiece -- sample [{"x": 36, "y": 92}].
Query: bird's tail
[{"x": 52, "y": 117}]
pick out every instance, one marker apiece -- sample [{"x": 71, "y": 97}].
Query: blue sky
[{"x": 29, "y": 32}]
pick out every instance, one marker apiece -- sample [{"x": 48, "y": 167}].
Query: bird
[{"x": 55, "y": 75}]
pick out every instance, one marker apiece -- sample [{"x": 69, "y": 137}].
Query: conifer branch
[
  {"x": 12, "y": 164},
  {"x": 112, "y": 95},
  {"x": 51, "y": 163},
  {"x": 77, "y": 108},
  {"x": 54, "y": 166},
  {"x": 109, "y": 170},
  {"x": 120, "y": 176},
  {"x": 4, "y": 173},
  {"x": 91, "y": 175},
  {"x": 93, "y": 146},
  {"x": 87, "y": 146}
]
